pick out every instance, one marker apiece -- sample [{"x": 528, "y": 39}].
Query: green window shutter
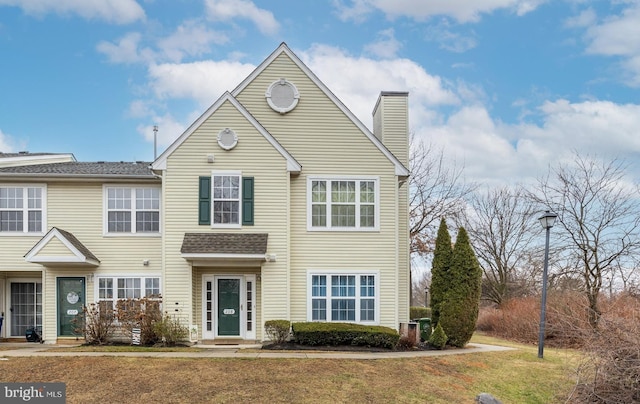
[
  {"x": 247, "y": 201},
  {"x": 204, "y": 201}
]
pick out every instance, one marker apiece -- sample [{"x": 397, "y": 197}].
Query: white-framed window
[
  {"x": 343, "y": 297},
  {"x": 226, "y": 199},
  {"x": 22, "y": 209},
  {"x": 132, "y": 210},
  {"x": 113, "y": 288},
  {"x": 342, "y": 203}
]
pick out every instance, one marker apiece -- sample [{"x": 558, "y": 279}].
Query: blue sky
[{"x": 504, "y": 87}]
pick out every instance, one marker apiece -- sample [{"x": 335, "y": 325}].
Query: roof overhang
[{"x": 226, "y": 249}]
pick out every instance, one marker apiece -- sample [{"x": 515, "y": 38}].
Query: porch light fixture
[{"x": 547, "y": 221}]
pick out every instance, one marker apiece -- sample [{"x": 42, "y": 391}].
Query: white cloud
[
  {"x": 450, "y": 40},
  {"x": 226, "y": 10},
  {"x": 6, "y": 143},
  {"x": 126, "y": 50},
  {"x": 191, "y": 38},
  {"x": 351, "y": 78},
  {"x": 386, "y": 46},
  {"x": 114, "y": 11},
  {"x": 619, "y": 36},
  {"x": 493, "y": 151},
  {"x": 169, "y": 129},
  {"x": 461, "y": 10},
  {"x": 203, "y": 81},
  {"x": 586, "y": 18}
]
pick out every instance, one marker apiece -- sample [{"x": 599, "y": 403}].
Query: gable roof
[
  {"x": 79, "y": 254},
  {"x": 400, "y": 169},
  {"x": 161, "y": 162}
]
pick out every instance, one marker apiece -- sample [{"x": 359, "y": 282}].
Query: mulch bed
[{"x": 292, "y": 346}]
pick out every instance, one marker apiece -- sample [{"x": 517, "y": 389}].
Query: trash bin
[
  {"x": 32, "y": 335},
  {"x": 425, "y": 328}
]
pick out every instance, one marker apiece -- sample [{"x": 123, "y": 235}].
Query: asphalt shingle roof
[
  {"x": 84, "y": 169},
  {"x": 77, "y": 244},
  {"x": 224, "y": 243}
]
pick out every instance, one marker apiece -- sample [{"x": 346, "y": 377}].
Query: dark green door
[
  {"x": 229, "y": 307},
  {"x": 70, "y": 303}
]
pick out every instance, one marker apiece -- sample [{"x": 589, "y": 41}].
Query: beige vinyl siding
[
  {"x": 394, "y": 128},
  {"x": 253, "y": 157},
  {"x": 55, "y": 248},
  {"x": 326, "y": 143},
  {"x": 78, "y": 208}
]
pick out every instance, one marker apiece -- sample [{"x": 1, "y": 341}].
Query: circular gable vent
[
  {"x": 282, "y": 96},
  {"x": 227, "y": 139}
]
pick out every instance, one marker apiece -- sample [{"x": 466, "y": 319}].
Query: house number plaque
[{"x": 228, "y": 311}]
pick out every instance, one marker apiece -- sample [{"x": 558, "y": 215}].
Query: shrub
[
  {"x": 142, "y": 313},
  {"x": 277, "y": 330},
  {"x": 611, "y": 370},
  {"x": 96, "y": 325},
  {"x": 405, "y": 343},
  {"x": 438, "y": 338},
  {"x": 313, "y": 333},
  {"x": 418, "y": 312},
  {"x": 170, "y": 330}
]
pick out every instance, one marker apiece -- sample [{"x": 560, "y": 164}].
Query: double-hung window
[
  {"x": 343, "y": 297},
  {"x": 132, "y": 209},
  {"x": 226, "y": 199},
  {"x": 343, "y": 204},
  {"x": 22, "y": 209}
]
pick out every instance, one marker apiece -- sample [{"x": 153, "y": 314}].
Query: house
[{"x": 276, "y": 203}]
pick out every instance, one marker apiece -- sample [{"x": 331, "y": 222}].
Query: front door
[
  {"x": 228, "y": 307},
  {"x": 70, "y": 302}
]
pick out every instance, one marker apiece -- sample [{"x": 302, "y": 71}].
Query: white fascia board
[
  {"x": 161, "y": 162},
  {"x": 214, "y": 256},
  {"x": 400, "y": 169}
]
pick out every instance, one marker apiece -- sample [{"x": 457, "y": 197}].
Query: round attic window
[
  {"x": 282, "y": 96},
  {"x": 227, "y": 139}
]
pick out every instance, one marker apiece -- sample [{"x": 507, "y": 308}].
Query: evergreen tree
[
  {"x": 460, "y": 305},
  {"x": 439, "y": 271}
]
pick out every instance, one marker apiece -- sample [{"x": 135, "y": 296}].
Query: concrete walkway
[{"x": 30, "y": 350}]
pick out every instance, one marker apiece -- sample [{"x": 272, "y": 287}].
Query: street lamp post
[{"x": 547, "y": 220}]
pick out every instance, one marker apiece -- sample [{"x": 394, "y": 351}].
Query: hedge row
[{"x": 333, "y": 334}]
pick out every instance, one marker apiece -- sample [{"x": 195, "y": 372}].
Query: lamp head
[{"x": 547, "y": 220}]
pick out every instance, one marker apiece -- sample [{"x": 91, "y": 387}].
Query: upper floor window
[
  {"x": 342, "y": 204},
  {"x": 22, "y": 209},
  {"x": 132, "y": 210},
  {"x": 225, "y": 199}
]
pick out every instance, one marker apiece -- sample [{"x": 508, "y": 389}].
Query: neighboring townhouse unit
[{"x": 277, "y": 203}]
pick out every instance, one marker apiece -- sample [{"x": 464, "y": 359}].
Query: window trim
[
  {"x": 25, "y": 209},
  {"x": 133, "y": 210},
  {"x": 358, "y": 297},
  {"x": 114, "y": 287},
  {"x": 332, "y": 178},
  {"x": 239, "y": 199}
]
